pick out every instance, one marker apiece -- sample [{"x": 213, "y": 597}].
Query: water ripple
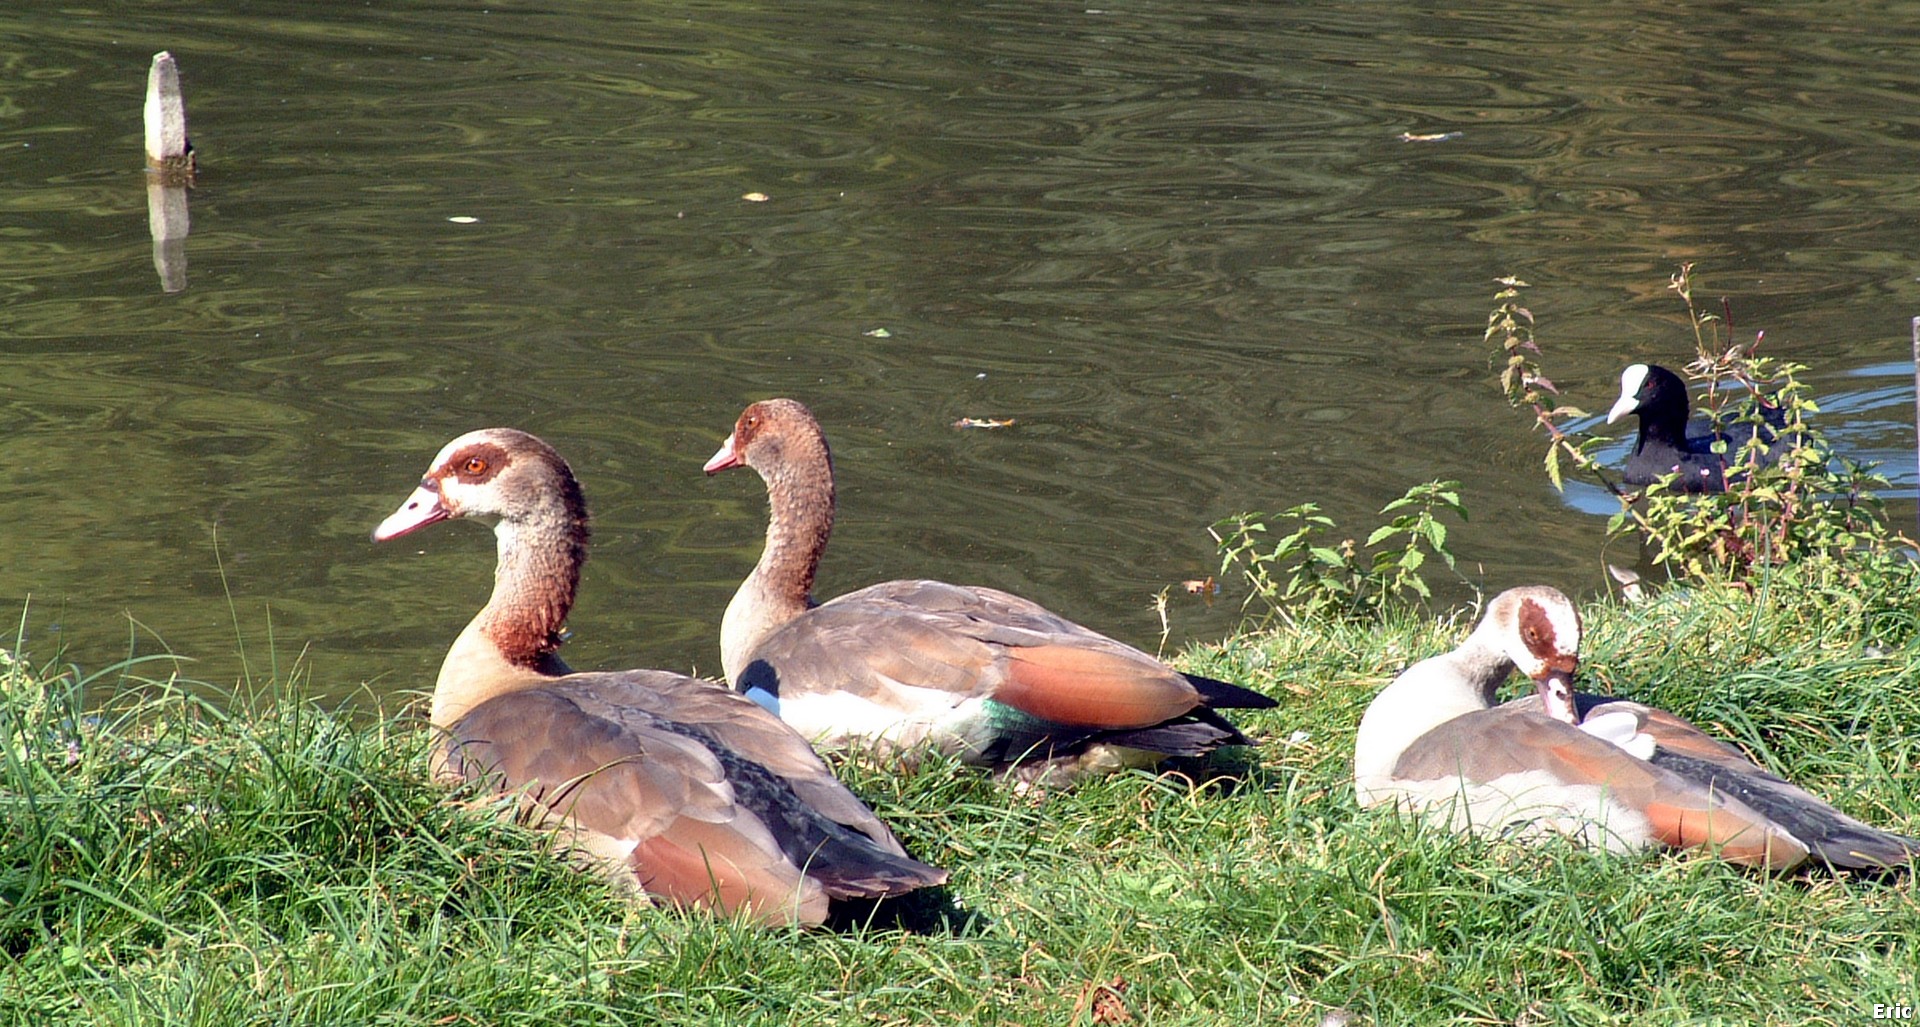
[{"x": 1184, "y": 247}]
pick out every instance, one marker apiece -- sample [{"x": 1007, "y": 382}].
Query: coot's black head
[{"x": 1653, "y": 392}]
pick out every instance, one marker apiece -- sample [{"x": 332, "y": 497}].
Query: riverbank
[{"x": 175, "y": 860}]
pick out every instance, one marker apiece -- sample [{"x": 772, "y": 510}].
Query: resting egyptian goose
[
  {"x": 674, "y": 785},
  {"x": 1611, "y": 772},
  {"x": 976, "y": 672},
  {"x": 1663, "y": 447}
]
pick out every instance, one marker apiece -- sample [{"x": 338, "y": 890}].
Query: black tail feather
[
  {"x": 1196, "y": 734},
  {"x": 1830, "y": 836},
  {"x": 877, "y": 875},
  {"x": 1225, "y": 696}
]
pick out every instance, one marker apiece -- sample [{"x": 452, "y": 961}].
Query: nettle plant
[
  {"x": 1789, "y": 498},
  {"x": 1302, "y": 575}
]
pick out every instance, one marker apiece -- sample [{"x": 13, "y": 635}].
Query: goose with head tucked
[
  {"x": 676, "y": 786},
  {"x": 985, "y": 675},
  {"x": 1611, "y": 772},
  {"x": 1663, "y": 447}
]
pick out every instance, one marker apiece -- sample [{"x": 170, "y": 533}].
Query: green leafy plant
[
  {"x": 1788, "y": 497},
  {"x": 1527, "y": 387},
  {"x": 1301, "y": 574}
]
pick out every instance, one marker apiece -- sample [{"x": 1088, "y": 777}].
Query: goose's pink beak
[
  {"x": 1556, "y": 695},
  {"x": 421, "y": 509},
  {"x": 724, "y": 459}
]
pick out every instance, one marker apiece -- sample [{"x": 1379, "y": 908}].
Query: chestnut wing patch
[
  {"x": 703, "y": 822},
  {"x": 1509, "y": 742}
]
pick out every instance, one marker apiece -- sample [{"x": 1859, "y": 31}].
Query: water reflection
[
  {"x": 170, "y": 168},
  {"x": 167, "y": 221},
  {"x": 1183, "y": 246}
]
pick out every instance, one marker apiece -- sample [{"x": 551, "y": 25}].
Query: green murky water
[{"x": 1182, "y": 245}]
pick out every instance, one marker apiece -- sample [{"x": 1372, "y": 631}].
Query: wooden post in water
[
  {"x": 166, "y": 116},
  {"x": 170, "y": 168}
]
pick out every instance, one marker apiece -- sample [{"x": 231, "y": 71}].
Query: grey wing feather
[{"x": 628, "y": 755}]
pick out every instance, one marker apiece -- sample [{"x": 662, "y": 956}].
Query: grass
[{"x": 169, "y": 859}]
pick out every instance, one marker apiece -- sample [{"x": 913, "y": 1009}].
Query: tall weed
[{"x": 1789, "y": 497}]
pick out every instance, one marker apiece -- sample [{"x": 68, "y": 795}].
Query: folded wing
[{"x": 703, "y": 807}]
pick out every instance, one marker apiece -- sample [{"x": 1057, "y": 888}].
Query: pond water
[{"x": 1184, "y": 246}]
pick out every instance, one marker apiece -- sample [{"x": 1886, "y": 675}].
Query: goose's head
[
  {"x": 774, "y": 437},
  {"x": 1538, "y": 628},
  {"x": 496, "y": 474}
]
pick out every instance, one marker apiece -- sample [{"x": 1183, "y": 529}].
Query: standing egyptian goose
[
  {"x": 677, "y": 786},
  {"x": 988, "y": 676},
  {"x": 1663, "y": 446},
  {"x": 1612, "y": 772}
]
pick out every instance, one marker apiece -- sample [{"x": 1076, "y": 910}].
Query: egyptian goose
[
  {"x": 976, "y": 672},
  {"x": 1611, "y": 772},
  {"x": 680, "y": 787},
  {"x": 1663, "y": 447}
]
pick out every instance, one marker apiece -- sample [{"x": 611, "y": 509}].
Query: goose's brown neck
[
  {"x": 800, "y": 496},
  {"x": 533, "y": 588},
  {"x": 513, "y": 641},
  {"x": 801, "y": 503}
]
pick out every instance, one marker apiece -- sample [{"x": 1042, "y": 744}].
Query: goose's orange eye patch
[{"x": 474, "y": 465}]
